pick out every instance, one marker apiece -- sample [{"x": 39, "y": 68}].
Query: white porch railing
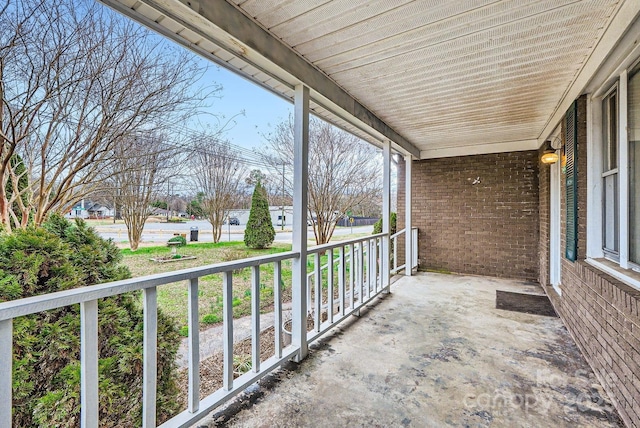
[
  {"x": 414, "y": 252},
  {"x": 340, "y": 288}
]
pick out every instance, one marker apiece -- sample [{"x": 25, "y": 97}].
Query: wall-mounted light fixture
[{"x": 550, "y": 155}]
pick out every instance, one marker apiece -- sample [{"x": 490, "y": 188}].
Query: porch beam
[
  {"x": 223, "y": 24},
  {"x": 300, "y": 211},
  {"x": 408, "y": 249},
  {"x": 386, "y": 215}
]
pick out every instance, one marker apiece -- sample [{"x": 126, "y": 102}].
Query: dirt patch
[{"x": 211, "y": 368}]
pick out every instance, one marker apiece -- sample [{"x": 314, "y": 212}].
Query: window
[
  {"x": 616, "y": 151},
  {"x": 610, "y": 210}
]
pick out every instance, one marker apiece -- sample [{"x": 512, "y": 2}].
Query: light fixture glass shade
[{"x": 549, "y": 157}]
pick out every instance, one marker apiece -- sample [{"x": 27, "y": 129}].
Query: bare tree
[
  {"x": 142, "y": 166},
  {"x": 343, "y": 172},
  {"x": 219, "y": 174},
  {"x": 74, "y": 80}
]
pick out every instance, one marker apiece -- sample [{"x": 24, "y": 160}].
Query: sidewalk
[{"x": 211, "y": 338}]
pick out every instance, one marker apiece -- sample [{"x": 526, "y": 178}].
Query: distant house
[{"x": 90, "y": 210}]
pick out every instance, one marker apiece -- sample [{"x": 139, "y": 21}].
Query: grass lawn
[{"x": 172, "y": 298}]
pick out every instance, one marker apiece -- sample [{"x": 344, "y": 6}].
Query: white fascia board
[
  {"x": 227, "y": 27},
  {"x": 625, "y": 16},
  {"x": 481, "y": 149}
]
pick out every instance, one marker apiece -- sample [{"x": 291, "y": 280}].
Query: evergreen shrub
[
  {"x": 46, "y": 346},
  {"x": 259, "y": 232}
]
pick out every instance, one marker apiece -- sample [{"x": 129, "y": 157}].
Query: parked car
[{"x": 233, "y": 221}]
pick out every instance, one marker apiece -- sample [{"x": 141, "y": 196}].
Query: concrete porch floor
[{"x": 436, "y": 353}]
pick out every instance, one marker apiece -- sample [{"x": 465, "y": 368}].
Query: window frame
[
  {"x": 607, "y": 171},
  {"x": 620, "y": 267}
]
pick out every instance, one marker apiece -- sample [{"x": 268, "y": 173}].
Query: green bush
[
  {"x": 259, "y": 232},
  {"x": 377, "y": 226},
  {"x": 46, "y": 384},
  {"x": 182, "y": 241},
  {"x": 211, "y": 319}
]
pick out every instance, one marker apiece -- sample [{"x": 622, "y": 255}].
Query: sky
[{"x": 255, "y": 109}]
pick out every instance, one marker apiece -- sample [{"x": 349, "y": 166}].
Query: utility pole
[
  {"x": 115, "y": 202},
  {"x": 168, "y": 196}
]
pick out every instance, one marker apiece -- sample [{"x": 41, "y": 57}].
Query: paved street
[{"x": 161, "y": 232}]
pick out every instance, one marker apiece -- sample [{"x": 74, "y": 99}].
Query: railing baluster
[
  {"x": 376, "y": 267},
  {"x": 361, "y": 248},
  {"x": 318, "y": 291},
  {"x": 6, "y": 372},
  {"x": 277, "y": 307},
  {"x": 309, "y": 291},
  {"x": 89, "y": 364},
  {"x": 370, "y": 268},
  {"x": 150, "y": 348},
  {"x": 255, "y": 319},
  {"x": 395, "y": 254},
  {"x": 330, "y": 286},
  {"x": 227, "y": 322},
  {"x": 351, "y": 276},
  {"x": 414, "y": 242},
  {"x": 341, "y": 279},
  {"x": 194, "y": 347}
]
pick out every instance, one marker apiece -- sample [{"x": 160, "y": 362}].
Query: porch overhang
[
  {"x": 220, "y": 32},
  {"x": 438, "y": 80}
]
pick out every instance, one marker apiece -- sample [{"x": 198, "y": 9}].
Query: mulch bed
[{"x": 211, "y": 368}]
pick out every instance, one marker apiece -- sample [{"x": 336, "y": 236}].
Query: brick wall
[
  {"x": 486, "y": 228},
  {"x": 599, "y": 311}
]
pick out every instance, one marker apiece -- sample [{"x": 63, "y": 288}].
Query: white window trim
[
  {"x": 555, "y": 247},
  {"x": 623, "y": 171},
  {"x": 626, "y": 276},
  {"x": 595, "y": 253}
]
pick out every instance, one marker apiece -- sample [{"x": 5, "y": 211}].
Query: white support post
[
  {"x": 386, "y": 217},
  {"x": 149, "y": 355},
  {"x": 255, "y": 319},
  {"x": 194, "y": 347},
  {"x": 407, "y": 204},
  {"x": 6, "y": 372},
  {"x": 300, "y": 211},
  {"x": 89, "y": 364}
]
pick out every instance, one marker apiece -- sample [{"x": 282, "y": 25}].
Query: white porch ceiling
[{"x": 445, "y": 77}]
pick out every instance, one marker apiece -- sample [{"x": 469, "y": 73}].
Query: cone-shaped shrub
[{"x": 259, "y": 232}]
